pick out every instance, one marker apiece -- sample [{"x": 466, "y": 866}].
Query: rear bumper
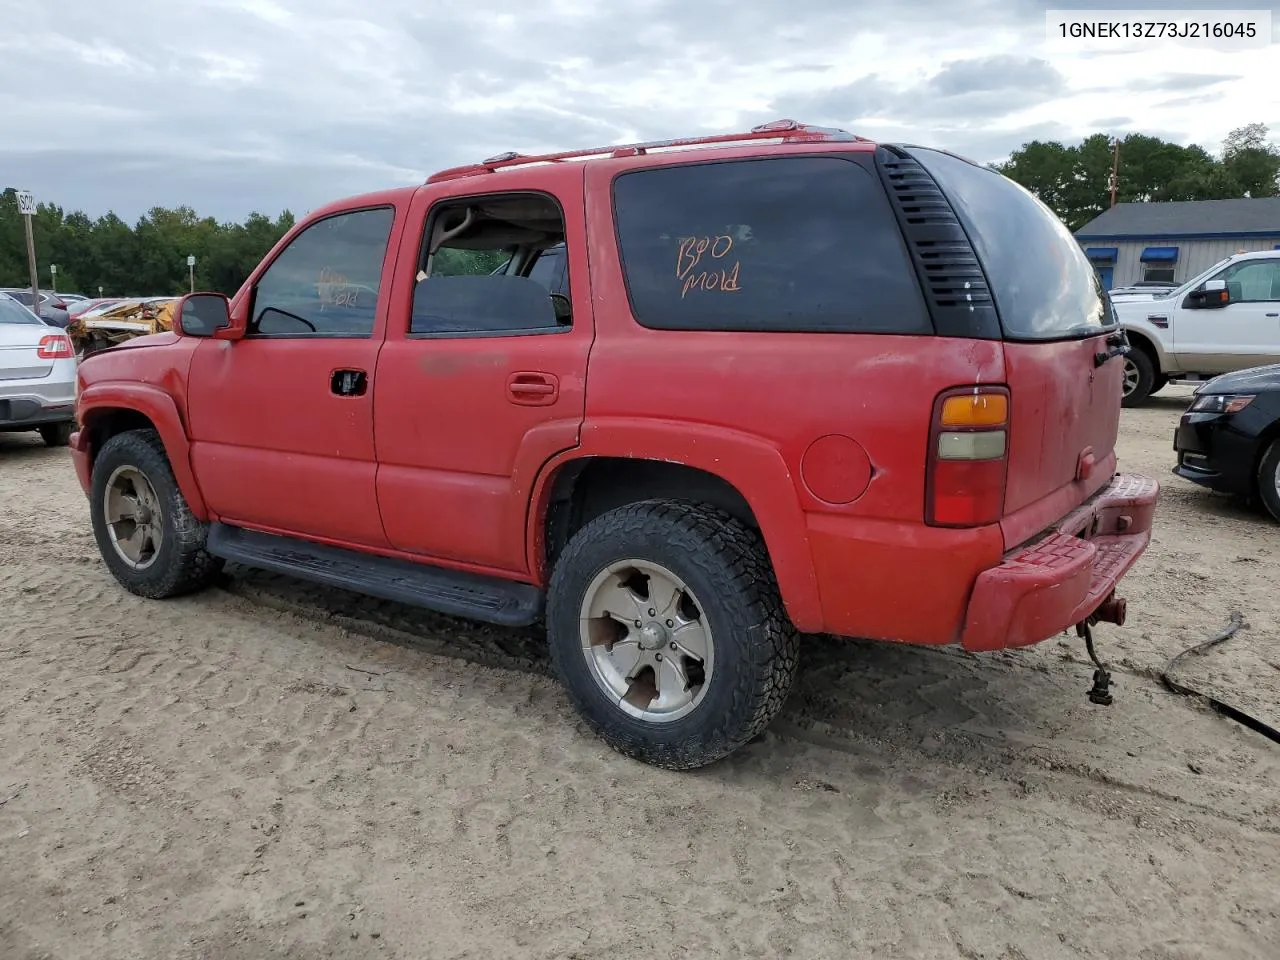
[
  {"x": 1046, "y": 587},
  {"x": 26, "y": 412}
]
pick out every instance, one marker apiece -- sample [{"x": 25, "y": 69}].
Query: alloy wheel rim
[
  {"x": 1130, "y": 376},
  {"x": 646, "y": 641},
  {"x": 135, "y": 522}
]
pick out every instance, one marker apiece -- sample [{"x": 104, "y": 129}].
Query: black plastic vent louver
[{"x": 955, "y": 286}]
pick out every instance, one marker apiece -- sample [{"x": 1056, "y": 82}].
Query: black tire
[
  {"x": 1160, "y": 383},
  {"x": 1146, "y": 378},
  {"x": 181, "y": 564},
  {"x": 1269, "y": 480},
  {"x": 56, "y": 434},
  {"x": 755, "y": 647}
]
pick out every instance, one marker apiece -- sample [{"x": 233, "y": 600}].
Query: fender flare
[
  {"x": 158, "y": 407},
  {"x": 750, "y": 464},
  {"x": 1148, "y": 337}
]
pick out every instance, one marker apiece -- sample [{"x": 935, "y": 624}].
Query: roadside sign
[
  {"x": 191, "y": 261},
  {"x": 26, "y": 203}
]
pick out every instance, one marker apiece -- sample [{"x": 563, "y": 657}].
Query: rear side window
[
  {"x": 1044, "y": 286},
  {"x": 795, "y": 244}
]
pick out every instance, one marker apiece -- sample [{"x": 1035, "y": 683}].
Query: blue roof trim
[
  {"x": 1160, "y": 255},
  {"x": 1148, "y": 237},
  {"x": 1102, "y": 253}
]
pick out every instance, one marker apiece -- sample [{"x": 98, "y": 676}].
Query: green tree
[
  {"x": 1075, "y": 180},
  {"x": 1252, "y": 161},
  {"x": 147, "y": 258}
]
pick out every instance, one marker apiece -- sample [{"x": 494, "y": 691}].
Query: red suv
[{"x": 781, "y": 382}]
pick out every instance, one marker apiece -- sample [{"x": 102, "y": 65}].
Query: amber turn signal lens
[{"x": 975, "y": 410}]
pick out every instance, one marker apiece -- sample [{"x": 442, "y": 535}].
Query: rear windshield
[
  {"x": 794, "y": 244},
  {"x": 1044, "y": 286},
  {"x": 11, "y": 312}
]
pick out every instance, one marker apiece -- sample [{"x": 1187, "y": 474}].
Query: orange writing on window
[
  {"x": 335, "y": 290},
  {"x": 721, "y": 276}
]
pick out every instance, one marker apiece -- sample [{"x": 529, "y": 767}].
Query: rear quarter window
[
  {"x": 794, "y": 244},
  {"x": 13, "y": 312},
  {"x": 1043, "y": 285}
]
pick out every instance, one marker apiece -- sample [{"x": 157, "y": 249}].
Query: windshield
[
  {"x": 1044, "y": 286},
  {"x": 12, "y": 312}
]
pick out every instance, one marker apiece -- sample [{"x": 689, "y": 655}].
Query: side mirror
[
  {"x": 1213, "y": 294},
  {"x": 202, "y": 315}
]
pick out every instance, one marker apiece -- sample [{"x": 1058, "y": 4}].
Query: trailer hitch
[{"x": 1100, "y": 692}]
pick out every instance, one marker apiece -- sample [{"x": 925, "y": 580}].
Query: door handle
[
  {"x": 533, "y": 389},
  {"x": 1273, "y": 314},
  {"x": 349, "y": 383}
]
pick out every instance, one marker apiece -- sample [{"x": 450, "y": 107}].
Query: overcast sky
[{"x": 239, "y": 105}]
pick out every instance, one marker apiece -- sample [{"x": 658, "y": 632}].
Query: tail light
[
  {"x": 54, "y": 347},
  {"x": 968, "y": 457}
]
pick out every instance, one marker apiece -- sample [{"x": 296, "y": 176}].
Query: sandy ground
[{"x": 269, "y": 770}]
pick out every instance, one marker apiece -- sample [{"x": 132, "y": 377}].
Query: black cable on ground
[{"x": 1239, "y": 716}]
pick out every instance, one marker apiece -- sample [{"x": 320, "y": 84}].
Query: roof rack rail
[{"x": 786, "y": 130}]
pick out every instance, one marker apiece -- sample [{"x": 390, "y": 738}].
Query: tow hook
[
  {"x": 1100, "y": 692},
  {"x": 1112, "y": 610}
]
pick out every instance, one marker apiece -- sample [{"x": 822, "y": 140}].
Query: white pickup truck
[{"x": 1226, "y": 319}]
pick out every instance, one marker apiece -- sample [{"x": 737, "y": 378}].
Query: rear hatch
[
  {"x": 1056, "y": 321},
  {"x": 20, "y": 333}
]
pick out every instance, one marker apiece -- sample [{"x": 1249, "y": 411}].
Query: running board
[{"x": 454, "y": 592}]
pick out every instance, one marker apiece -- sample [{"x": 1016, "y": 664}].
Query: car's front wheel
[
  {"x": 1139, "y": 378},
  {"x": 667, "y": 629},
  {"x": 146, "y": 533},
  {"x": 1269, "y": 480}
]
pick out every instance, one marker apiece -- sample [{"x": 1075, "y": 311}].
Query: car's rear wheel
[
  {"x": 146, "y": 533},
  {"x": 1269, "y": 480},
  {"x": 667, "y": 630},
  {"x": 56, "y": 434},
  {"x": 1139, "y": 378}
]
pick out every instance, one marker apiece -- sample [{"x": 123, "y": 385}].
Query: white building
[{"x": 1176, "y": 241}]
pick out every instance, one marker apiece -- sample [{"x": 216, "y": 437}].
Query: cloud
[
  {"x": 1178, "y": 82},
  {"x": 1110, "y": 123},
  {"x": 978, "y": 90},
  {"x": 1190, "y": 101},
  {"x": 232, "y": 105}
]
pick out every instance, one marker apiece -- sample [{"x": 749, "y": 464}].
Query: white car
[
  {"x": 1225, "y": 319},
  {"x": 37, "y": 375}
]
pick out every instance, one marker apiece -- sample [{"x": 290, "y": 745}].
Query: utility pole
[
  {"x": 1115, "y": 167},
  {"x": 27, "y": 207}
]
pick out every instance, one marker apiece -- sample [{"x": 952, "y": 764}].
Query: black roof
[{"x": 1186, "y": 218}]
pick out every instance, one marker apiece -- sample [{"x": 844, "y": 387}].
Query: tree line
[
  {"x": 1074, "y": 181},
  {"x": 150, "y": 256},
  {"x": 147, "y": 258}
]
